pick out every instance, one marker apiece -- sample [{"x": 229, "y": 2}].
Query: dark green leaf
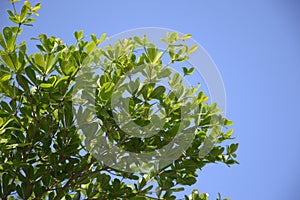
[{"x": 157, "y": 92}]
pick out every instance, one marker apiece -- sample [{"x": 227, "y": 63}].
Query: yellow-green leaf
[
  {"x": 192, "y": 49},
  {"x": 39, "y": 60},
  {"x": 186, "y": 36},
  {"x": 90, "y": 47}
]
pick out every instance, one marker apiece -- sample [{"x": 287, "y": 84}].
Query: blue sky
[{"x": 256, "y": 46}]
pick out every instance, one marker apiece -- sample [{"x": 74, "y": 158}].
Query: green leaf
[
  {"x": 138, "y": 40},
  {"x": 164, "y": 40},
  {"x": 90, "y": 47},
  {"x": 4, "y": 124},
  {"x": 68, "y": 114},
  {"x": 61, "y": 82},
  {"x": 6, "y": 107},
  {"x": 142, "y": 183},
  {"x": 228, "y": 122},
  {"x": 39, "y": 189},
  {"x": 188, "y": 71},
  {"x": 5, "y": 183},
  {"x": 185, "y": 37},
  {"x": 165, "y": 73},
  {"x": 9, "y": 37},
  {"x": 152, "y": 52},
  {"x": 107, "y": 90},
  {"x": 5, "y": 77},
  {"x": 27, "y": 3},
  {"x": 9, "y": 61},
  {"x": 28, "y": 21},
  {"x": 181, "y": 59},
  {"x": 158, "y": 57},
  {"x": 228, "y": 134},
  {"x": 11, "y": 14},
  {"x": 20, "y": 191},
  {"x": 178, "y": 189},
  {"x": 157, "y": 92},
  {"x": 67, "y": 68},
  {"x": 181, "y": 51},
  {"x": 16, "y": 30},
  {"x": 176, "y": 79},
  {"x": 24, "y": 83},
  {"x": 187, "y": 180},
  {"x": 36, "y": 7},
  {"x": 232, "y": 148},
  {"x": 46, "y": 85},
  {"x": 185, "y": 70},
  {"x": 24, "y": 12},
  {"x": 192, "y": 49},
  {"x": 78, "y": 35},
  {"x": 94, "y": 38},
  {"x": 191, "y": 70},
  {"x": 49, "y": 63},
  {"x": 173, "y": 37},
  {"x": 2, "y": 42},
  {"x": 103, "y": 36},
  {"x": 40, "y": 62}
]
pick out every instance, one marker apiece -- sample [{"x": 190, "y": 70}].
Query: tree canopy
[{"x": 83, "y": 121}]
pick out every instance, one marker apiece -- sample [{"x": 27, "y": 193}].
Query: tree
[{"x": 64, "y": 127}]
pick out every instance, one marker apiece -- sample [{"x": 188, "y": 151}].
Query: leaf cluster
[{"x": 43, "y": 154}]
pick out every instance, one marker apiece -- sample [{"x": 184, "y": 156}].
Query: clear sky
[{"x": 256, "y": 46}]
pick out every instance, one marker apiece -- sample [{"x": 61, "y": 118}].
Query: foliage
[{"x": 43, "y": 154}]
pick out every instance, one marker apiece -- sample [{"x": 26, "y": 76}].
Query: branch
[{"x": 76, "y": 175}]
